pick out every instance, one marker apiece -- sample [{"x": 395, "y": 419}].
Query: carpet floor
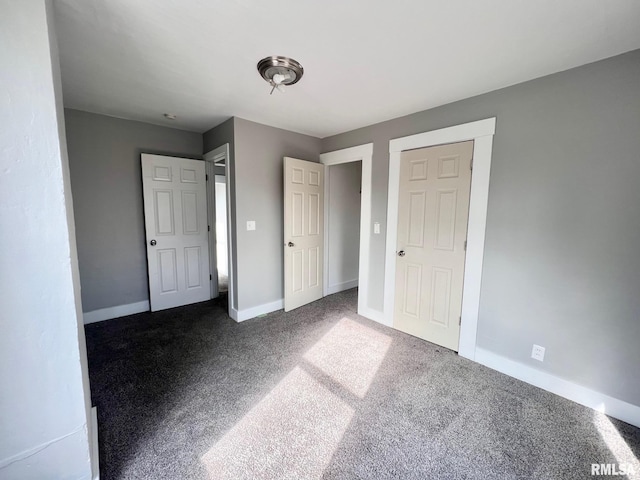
[{"x": 321, "y": 392}]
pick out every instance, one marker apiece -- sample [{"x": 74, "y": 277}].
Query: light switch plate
[
  {"x": 251, "y": 225},
  {"x": 376, "y": 227}
]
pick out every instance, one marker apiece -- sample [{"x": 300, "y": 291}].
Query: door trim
[
  {"x": 481, "y": 132},
  {"x": 360, "y": 153},
  {"x": 215, "y": 156},
  {"x": 213, "y": 234}
]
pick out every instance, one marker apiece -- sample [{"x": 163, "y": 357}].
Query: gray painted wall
[
  {"x": 106, "y": 181},
  {"x": 259, "y": 151},
  {"x": 561, "y": 261},
  {"x": 344, "y": 222}
]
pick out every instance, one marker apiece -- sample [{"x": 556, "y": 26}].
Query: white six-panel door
[
  {"x": 303, "y": 232},
  {"x": 432, "y": 229},
  {"x": 175, "y": 210}
]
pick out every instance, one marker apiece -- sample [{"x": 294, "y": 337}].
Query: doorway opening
[
  {"x": 222, "y": 255},
  {"x": 338, "y": 268},
  {"x": 219, "y": 220},
  {"x": 343, "y": 189},
  {"x": 481, "y": 133}
]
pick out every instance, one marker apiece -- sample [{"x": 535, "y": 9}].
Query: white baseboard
[
  {"x": 248, "y": 313},
  {"x": 340, "y": 287},
  {"x": 61, "y": 457},
  {"x": 233, "y": 313},
  {"x": 115, "y": 312},
  {"x": 95, "y": 452},
  {"x": 374, "y": 315},
  {"x": 584, "y": 396}
]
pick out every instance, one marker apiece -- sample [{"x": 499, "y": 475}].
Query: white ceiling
[{"x": 365, "y": 61}]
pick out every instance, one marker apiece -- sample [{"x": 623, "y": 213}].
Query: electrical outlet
[
  {"x": 537, "y": 352},
  {"x": 251, "y": 225},
  {"x": 376, "y": 228}
]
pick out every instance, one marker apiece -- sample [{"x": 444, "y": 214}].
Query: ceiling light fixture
[{"x": 280, "y": 71}]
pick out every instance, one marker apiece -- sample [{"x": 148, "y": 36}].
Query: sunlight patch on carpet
[
  {"x": 291, "y": 434},
  {"x": 617, "y": 445},
  {"x": 350, "y": 354}
]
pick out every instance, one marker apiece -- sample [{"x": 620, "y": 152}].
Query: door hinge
[
  {"x": 209, "y": 229},
  {"x": 471, "y": 165},
  {"x": 210, "y": 277},
  {"x": 459, "y": 321},
  {"x": 465, "y": 245},
  {"x": 206, "y": 177}
]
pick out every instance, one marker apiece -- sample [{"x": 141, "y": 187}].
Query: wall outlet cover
[
  {"x": 251, "y": 225},
  {"x": 537, "y": 353},
  {"x": 376, "y": 227}
]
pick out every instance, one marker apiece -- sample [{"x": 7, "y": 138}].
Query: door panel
[
  {"x": 192, "y": 256},
  {"x": 297, "y": 214},
  {"x": 168, "y": 270},
  {"x": 412, "y": 290},
  {"x": 433, "y": 212},
  {"x": 175, "y": 219},
  {"x": 314, "y": 214},
  {"x": 190, "y": 213},
  {"x": 163, "y": 212},
  {"x": 303, "y": 232},
  {"x": 445, "y": 219}
]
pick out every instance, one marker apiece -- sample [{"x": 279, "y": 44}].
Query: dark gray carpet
[{"x": 323, "y": 393}]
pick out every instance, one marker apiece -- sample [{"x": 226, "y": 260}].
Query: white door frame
[
  {"x": 481, "y": 132},
  {"x": 363, "y": 153},
  {"x": 213, "y": 235},
  {"x": 217, "y": 155}
]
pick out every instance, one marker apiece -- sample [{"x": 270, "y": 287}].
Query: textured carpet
[{"x": 320, "y": 392}]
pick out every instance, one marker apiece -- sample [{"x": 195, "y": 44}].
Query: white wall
[
  {"x": 44, "y": 432},
  {"x": 343, "y": 247}
]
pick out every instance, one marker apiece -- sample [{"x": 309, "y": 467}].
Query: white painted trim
[
  {"x": 341, "y": 287},
  {"x": 584, "y": 396},
  {"x": 217, "y": 155},
  {"x": 249, "y": 313},
  {"x": 481, "y": 132},
  {"x": 346, "y": 155},
  {"x": 454, "y": 134},
  {"x": 29, "y": 456},
  {"x": 363, "y": 153},
  {"x": 95, "y": 452},
  {"x": 115, "y": 312},
  {"x": 212, "y": 234}
]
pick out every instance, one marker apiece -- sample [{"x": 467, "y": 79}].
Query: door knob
[
  {"x": 290, "y": 244},
  {"x": 152, "y": 243},
  {"x": 401, "y": 253}
]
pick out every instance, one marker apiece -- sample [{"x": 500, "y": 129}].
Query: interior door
[
  {"x": 433, "y": 212},
  {"x": 175, "y": 210},
  {"x": 303, "y": 232}
]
